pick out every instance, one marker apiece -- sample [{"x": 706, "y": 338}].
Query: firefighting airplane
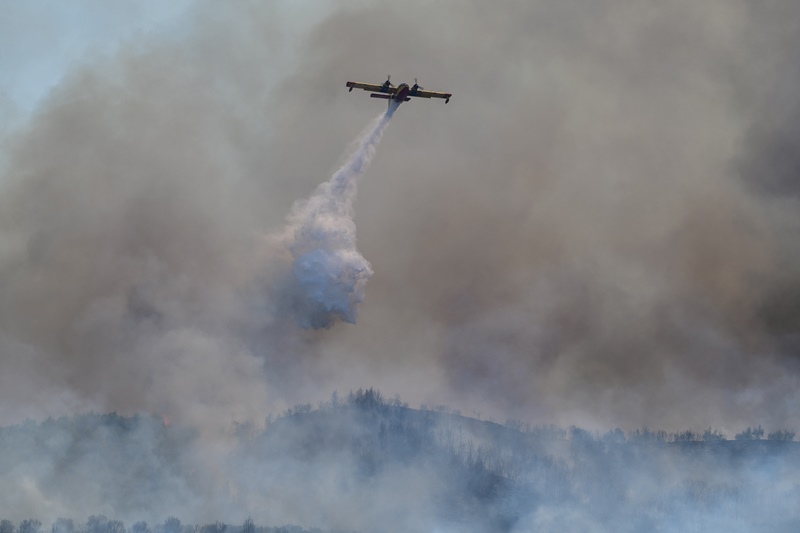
[{"x": 401, "y": 93}]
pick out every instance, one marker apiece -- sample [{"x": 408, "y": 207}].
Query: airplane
[{"x": 399, "y": 94}]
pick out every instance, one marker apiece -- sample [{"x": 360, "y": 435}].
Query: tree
[
  {"x": 710, "y": 435},
  {"x": 647, "y": 435},
  {"x": 171, "y": 525},
  {"x": 366, "y": 399},
  {"x": 615, "y": 436},
  {"x": 579, "y": 434},
  {"x": 248, "y": 526},
  {"x": 101, "y": 524},
  {"x": 684, "y": 436},
  {"x": 140, "y": 527},
  {"x": 95, "y": 523},
  {"x": 114, "y": 526},
  {"x": 6, "y": 526},
  {"x": 30, "y": 526},
  {"x": 216, "y": 527},
  {"x": 781, "y": 434},
  {"x": 751, "y": 434},
  {"x": 334, "y": 399}
]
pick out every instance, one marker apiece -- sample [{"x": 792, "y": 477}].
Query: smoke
[
  {"x": 603, "y": 234},
  {"x": 328, "y": 272},
  {"x": 589, "y": 239}
]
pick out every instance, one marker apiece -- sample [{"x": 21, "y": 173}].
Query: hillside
[{"x": 368, "y": 464}]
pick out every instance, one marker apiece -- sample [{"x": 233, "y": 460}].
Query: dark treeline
[
  {"x": 102, "y": 524},
  {"x": 498, "y": 477},
  {"x": 356, "y": 462},
  {"x": 374, "y": 399}
]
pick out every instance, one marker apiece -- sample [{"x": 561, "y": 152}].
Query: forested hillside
[{"x": 363, "y": 462}]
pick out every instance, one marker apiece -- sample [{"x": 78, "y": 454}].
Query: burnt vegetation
[
  {"x": 102, "y": 524},
  {"x": 480, "y": 475}
]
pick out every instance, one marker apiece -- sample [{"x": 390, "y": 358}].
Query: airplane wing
[
  {"x": 431, "y": 94},
  {"x": 371, "y": 87}
]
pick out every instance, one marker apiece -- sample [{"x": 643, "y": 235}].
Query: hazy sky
[
  {"x": 41, "y": 40},
  {"x": 598, "y": 229}
]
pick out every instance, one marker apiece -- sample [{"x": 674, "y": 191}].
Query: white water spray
[{"x": 328, "y": 273}]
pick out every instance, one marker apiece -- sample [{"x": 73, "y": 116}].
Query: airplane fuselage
[{"x": 402, "y": 93}]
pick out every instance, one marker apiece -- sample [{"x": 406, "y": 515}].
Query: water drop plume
[{"x": 328, "y": 272}]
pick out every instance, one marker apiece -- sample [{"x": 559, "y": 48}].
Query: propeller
[{"x": 417, "y": 85}]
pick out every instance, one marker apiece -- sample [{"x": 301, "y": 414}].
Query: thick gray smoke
[
  {"x": 589, "y": 238},
  {"x": 329, "y": 274},
  {"x": 600, "y": 229}
]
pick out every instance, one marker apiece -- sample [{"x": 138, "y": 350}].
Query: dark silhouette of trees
[
  {"x": 140, "y": 527},
  {"x": 101, "y": 524},
  {"x": 298, "y": 409},
  {"x": 751, "y": 434},
  {"x": 577, "y": 434},
  {"x": 366, "y": 399},
  {"x": 96, "y": 524},
  {"x": 30, "y": 526},
  {"x": 487, "y": 475},
  {"x": 248, "y": 526},
  {"x": 713, "y": 435},
  {"x": 216, "y": 527},
  {"x": 6, "y": 526},
  {"x": 115, "y": 526},
  {"x": 647, "y": 435},
  {"x": 615, "y": 436},
  {"x": 171, "y": 525},
  {"x": 782, "y": 435},
  {"x": 684, "y": 436}
]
